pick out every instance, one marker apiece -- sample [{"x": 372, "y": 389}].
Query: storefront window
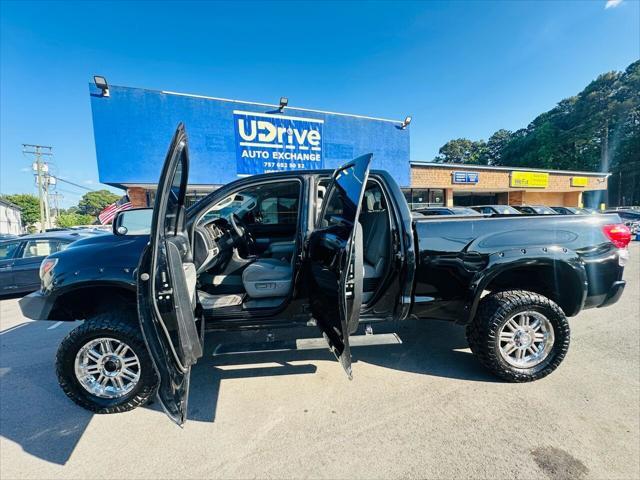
[
  {"x": 436, "y": 196},
  {"x": 424, "y": 197},
  {"x": 420, "y": 196},
  {"x": 407, "y": 195}
]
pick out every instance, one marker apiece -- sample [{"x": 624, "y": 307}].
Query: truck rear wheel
[
  {"x": 519, "y": 336},
  {"x": 104, "y": 366}
]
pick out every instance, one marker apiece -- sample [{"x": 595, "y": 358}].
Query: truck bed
[{"x": 569, "y": 258}]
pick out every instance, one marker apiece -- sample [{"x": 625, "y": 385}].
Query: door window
[
  {"x": 173, "y": 202},
  {"x": 8, "y": 250},
  {"x": 42, "y": 248},
  {"x": 333, "y": 213}
]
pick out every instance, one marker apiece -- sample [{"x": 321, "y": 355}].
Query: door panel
[
  {"x": 335, "y": 259},
  {"x": 8, "y": 252},
  {"x": 7, "y": 283},
  {"x": 26, "y": 272},
  {"x": 166, "y": 286}
]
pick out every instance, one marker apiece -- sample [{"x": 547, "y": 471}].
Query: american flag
[{"x": 106, "y": 215}]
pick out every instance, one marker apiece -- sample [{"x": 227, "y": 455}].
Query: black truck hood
[
  {"x": 105, "y": 250},
  {"x": 107, "y": 239}
]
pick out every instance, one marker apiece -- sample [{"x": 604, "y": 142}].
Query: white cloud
[
  {"x": 612, "y": 3},
  {"x": 89, "y": 182},
  {"x": 25, "y": 169}
]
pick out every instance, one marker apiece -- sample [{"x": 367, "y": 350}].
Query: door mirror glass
[{"x": 133, "y": 222}]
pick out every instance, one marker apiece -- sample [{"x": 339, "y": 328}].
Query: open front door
[
  {"x": 166, "y": 286},
  {"x": 335, "y": 258}
]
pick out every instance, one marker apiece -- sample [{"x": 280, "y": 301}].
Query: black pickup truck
[{"x": 314, "y": 248}]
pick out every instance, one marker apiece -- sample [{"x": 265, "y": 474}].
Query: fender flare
[
  {"x": 57, "y": 297},
  {"x": 551, "y": 257}
]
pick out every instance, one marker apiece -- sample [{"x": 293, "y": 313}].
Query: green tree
[
  {"x": 29, "y": 206},
  {"x": 66, "y": 220},
  {"x": 496, "y": 144},
  {"x": 596, "y": 130},
  {"x": 463, "y": 150},
  {"x": 92, "y": 203}
]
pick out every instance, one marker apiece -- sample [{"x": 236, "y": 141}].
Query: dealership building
[
  {"x": 451, "y": 184},
  {"x": 229, "y": 139}
]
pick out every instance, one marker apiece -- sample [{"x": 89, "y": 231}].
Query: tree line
[
  {"x": 597, "y": 130},
  {"x": 84, "y": 213}
]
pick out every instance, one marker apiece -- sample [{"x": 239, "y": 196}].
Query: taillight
[{"x": 619, "y": 234}]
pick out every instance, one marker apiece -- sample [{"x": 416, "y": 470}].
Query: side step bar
[{"x": 367, "y": 340}]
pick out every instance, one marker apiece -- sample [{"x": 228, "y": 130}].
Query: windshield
[
  {"x": 272, "y": 203},
  {"x": 506, "y": 210},
  {"x": 588, "y": 211},
  {"x": 464, "y": 211},
  {"x": 542, "y": 210},
  {"x": 628, "y": 215},
  {"x": 236, "y": 203}
]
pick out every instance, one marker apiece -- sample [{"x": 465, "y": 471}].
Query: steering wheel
[{"x": 247, "y": 246}]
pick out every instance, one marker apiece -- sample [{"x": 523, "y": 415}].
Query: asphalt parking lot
[{"x": 421, "y": 409}]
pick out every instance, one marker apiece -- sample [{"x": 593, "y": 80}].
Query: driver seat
[{"x": 267, "y": 277}]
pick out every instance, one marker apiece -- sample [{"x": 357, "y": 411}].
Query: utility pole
[
  {"x": 56, "y": 197},
  {"x": 38, "y": 151}
]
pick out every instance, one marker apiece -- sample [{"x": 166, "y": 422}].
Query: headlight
[{"x": 46, "y": 266}]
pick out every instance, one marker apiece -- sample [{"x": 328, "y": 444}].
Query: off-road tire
[
  {"x": 494, "y": 311},
  {"x": 121, "y": 325}
]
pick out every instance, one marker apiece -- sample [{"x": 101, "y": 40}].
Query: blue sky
[{"x": 461, "y": 69}]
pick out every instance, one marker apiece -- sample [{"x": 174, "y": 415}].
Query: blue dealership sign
[
  {"x": 271, "y": 143},
  {"x": 464, "y": 177},
  {"x": 232, "y": 138}
]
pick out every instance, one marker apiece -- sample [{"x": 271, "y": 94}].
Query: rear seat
[{"x": 376, "y": 238}]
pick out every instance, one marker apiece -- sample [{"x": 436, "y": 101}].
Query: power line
[
  {"x": 74, "y": 184},
  {"x": 70, "y": 192}
]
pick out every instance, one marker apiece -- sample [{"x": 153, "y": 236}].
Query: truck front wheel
[
  {"x": 104, "y": 366},
  {"x": 519, "y": 336}
]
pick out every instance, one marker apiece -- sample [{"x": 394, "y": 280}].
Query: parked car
[
  {"x": 431, "y": 211},
  {"x": 496, "y": 210},
  {"x": 352, "y": 255},
  {"x": 630, "y": 217},
  {"x": 20, "y": 259},
  {"x": 575, "y": 210},
  {"x": 568, "y": 210},
  {"x": 590, "y": 211},
  {"x": 535, "y": 209}
]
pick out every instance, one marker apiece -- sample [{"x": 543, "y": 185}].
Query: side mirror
[{"x": 136, "y": 221}]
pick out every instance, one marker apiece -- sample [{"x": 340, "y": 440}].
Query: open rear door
[
  {"x": 166, "y": 286},
  {"x": 335, "y": 259}
]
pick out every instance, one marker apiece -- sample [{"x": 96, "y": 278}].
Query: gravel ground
[{"x": 422, "y": 409}]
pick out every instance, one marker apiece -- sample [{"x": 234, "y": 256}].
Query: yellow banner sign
[
  {"x": 579, "y": 181},
  {"x": 529, "y": 179}
]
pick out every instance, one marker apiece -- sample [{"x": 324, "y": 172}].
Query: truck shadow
[
  {"x": 35, "y": 413},
  {"x": 430, "y": 348}
]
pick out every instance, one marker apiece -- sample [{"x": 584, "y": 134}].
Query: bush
[{"x": 65, "y": 220}]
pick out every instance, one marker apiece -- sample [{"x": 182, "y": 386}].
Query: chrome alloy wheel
[
  {"x": 107, "y": 368},
  {"x": 526, "y": 339}
]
